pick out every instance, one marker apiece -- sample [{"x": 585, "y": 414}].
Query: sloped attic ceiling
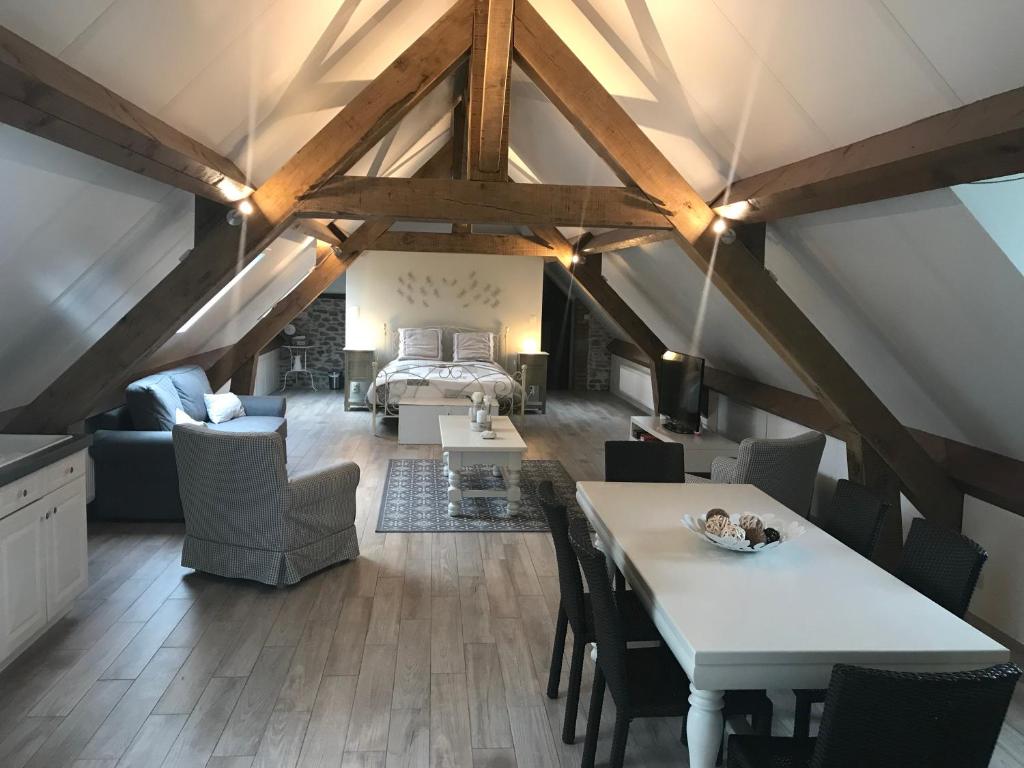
[{"x": 721, "y": 86}]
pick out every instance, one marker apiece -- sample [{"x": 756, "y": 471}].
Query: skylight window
[{"x": 220, "y": 294}]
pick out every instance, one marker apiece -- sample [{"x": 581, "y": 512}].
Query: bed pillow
[
  {"x": 474, "y": 346},
  {"x": 224, "y": 407},
  {"x": 419, "y": 343}
]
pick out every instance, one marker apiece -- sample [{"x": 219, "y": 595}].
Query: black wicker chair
[
  {"x": 644, "y": 682},
  {"x": 855, "y": 517},
  {"x": 636, "y": 461},
  {"x": 941, "y": 564},
  {"x": 574, "y": 610},
  {"x": 895, "y": 720}
]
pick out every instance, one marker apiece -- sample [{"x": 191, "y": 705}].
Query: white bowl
[{"x": 787, "y": 532}]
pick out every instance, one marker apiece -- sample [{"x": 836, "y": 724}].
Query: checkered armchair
[
  {"x": 785, "y": 469},
  {"x": 245, "y": 518}
]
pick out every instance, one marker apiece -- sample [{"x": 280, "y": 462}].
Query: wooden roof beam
[
  {"x": 606, "y": 127},
  {"x": 620, "y": 239},
  {"x": 978, "y": 141},
  {"x": 44, "y": 96},
  {"x": 490, "y": 66},
  {"x": 330, "y": 265},
  {"x": 366, "y": 119},
  {"x": 481, "y": 202},
  {"x": 465, "y": 242}
]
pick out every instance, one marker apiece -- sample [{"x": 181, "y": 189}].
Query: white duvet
[{"x": 432, "y": 379}]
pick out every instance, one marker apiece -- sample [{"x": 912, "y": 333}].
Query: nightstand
[
  {"x": 358, "y": 377},
  {"x": 535, "y": 388}
]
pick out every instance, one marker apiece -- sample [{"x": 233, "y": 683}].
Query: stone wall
[
  {"x": 599, "y": 359},
  {"x": 323, "y": 325},
  {"x": 592, "y": 363}
]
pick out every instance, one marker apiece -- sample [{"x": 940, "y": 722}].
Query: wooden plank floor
[{"x": 429, "y": 650}]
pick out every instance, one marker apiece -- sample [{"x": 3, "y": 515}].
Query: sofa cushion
[
  {"x": 153, "y": 402},
  {"x": 192, "y": 384},
  {"x": 253, "y": 424}
]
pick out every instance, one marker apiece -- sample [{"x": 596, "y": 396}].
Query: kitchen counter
[{"x": 21, "y": 455}]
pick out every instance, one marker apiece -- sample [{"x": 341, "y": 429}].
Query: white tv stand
[{"x": 698, "y": 450}]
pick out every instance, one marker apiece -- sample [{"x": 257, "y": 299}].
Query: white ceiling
[{"x": 912, "y": 291}]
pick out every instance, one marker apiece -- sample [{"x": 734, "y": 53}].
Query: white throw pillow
[
  {"x": 419, "y": 343},
  {"x": 474, "y": 346},
  {"x": 180, "y": 417},
  {"x": 223, "y": 407}
]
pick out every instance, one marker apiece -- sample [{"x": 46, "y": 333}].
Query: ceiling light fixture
[
  {"x": 236, "y": 215},
  {"x": 719, "y": 226}
]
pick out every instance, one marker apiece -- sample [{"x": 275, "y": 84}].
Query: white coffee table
[{"x": 464, "y": 448}]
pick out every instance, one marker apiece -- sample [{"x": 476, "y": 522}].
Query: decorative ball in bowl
[{"x": 743, "y": 532}]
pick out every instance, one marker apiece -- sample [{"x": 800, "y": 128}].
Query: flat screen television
[{"x": 680, "y": 381}]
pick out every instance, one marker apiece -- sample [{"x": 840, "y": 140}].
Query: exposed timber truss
[{"x": 470, "y": 185}]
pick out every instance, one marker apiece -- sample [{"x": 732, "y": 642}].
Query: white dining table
[{"x": 775, "y": 619}]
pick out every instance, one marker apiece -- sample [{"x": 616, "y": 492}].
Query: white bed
[
  {"x": 438, "y": 379},
  {"x": 434, "y": 380}
]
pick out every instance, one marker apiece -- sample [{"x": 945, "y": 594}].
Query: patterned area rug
[{"x": 415, "y": 498}]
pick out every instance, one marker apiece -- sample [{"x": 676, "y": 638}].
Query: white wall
[
  {"x": 81, "y": 241},
  {"x": 373, "y": 298},
  {"x": 268, "y": 373},
  {"x": 231, "y": 314}
]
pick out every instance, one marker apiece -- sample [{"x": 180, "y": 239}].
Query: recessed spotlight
[
  {"x": 246, "y": 208},
  {"x": 719, "y": 226}
]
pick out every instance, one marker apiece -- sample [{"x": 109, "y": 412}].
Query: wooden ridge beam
[
  {"x": 330, "y": 265},
  {"x": 978, "y": 141},
  {"x": 620, "y": 239},
  {"x": 481, "y": 202},
  {"x": 602, "y": 122},
  {"x": 44, "y": 96},
  {"x": 490, "y": 67},
  {"x": 466, "y": 242},
  {"x": 219, "y": 255}
]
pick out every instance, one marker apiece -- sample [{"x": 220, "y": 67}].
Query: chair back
[
  {"x": 855, "y": 517},
  {"x": 899, "y": 719},
  {"x": 233, "y": 485},
  {"x": 638, "y": 461},
  {"x": 608, "y": 630},
  {"x": 786, "y": 469},
  {"x": 941, "y": 564},
  {"x": 570, "y": 582}
]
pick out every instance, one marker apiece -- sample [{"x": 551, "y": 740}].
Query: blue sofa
[{"x": 136, "y": 477}]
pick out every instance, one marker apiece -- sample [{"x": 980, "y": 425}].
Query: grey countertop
[{"x": 23, "y": 454}]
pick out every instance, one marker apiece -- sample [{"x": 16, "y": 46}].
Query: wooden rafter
[
  {"x": 620, "y": 239},
  {"x": 42, "y": 95},
  {"x": 482, "y": 202},
  {"x": 490, "y": 67},
  {"x": 362, "y": 123},
  {"x": 456, "y": 242},
  {"x": 603, "y": 123},
  {"x": 330, "y": 265},
  {"x": 978, "y": 141}
]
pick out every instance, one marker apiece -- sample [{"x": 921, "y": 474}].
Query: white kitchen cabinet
[
  {"x": 67, "y": 572},
  {"x": 22, "y": 576},
  {"x": 44, "y": 562}
]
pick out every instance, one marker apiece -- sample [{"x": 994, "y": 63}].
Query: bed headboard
[{"x": 448, "y": 332}]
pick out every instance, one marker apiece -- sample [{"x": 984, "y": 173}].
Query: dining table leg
[{"x": 704, "y": 727}]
